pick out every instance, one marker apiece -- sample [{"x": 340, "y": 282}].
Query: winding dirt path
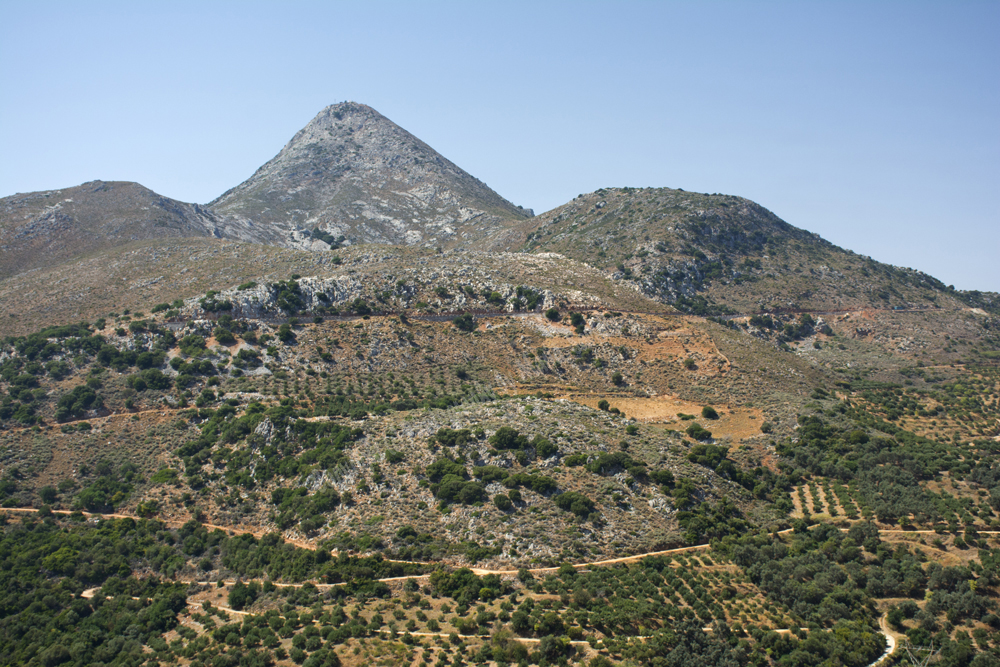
[
  {"x": 597, "y": 563},
  {"x": 890, "y": 640}
]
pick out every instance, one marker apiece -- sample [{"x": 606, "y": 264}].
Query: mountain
[
  {"x": 40, "y": 229},
  {"x": 350, "y": 176},
  {"x": 711, "y": 253},
  {"x": 353, "y": 173}
]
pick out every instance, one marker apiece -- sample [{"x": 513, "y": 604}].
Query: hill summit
[
  {"x": 352, "y": 175},
  {"x": 39, "y": 229}
]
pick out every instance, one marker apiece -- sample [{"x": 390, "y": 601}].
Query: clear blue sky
[{"x": 874, "y": 124}]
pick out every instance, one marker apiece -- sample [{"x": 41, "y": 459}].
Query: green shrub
[
  {"x": 503, "y": 503},
  {"x": 48, "y": 494},
  {"x": 285, "y": 334},
  {"x": 58, "y": 370},
  {"x": 698, "y": 432},
  {"x": 447, "y": 437},
  {"x": 544, "y": 449},
  {"x": 360, "y": 306},
  {"x": 109, "y": 490},
  {"x": 465, "y": 322},
  {"x": 77, "y": 402},
  {"x": 224, "y": 336},
  {"x": 191, "y": 345},
  {"x": 438, "y": 470},
  {"x": 151, "y": 378},
  {"x": 707, "y": 455},
  {"x": 454, "y": 488},
  {"x": 663, "y": 477},
  {"x": 490, "y": 473},
  {"x": 212, "y": 305},
  {"x": 575, "y": 502},
  {"x": 538, "y": 483},
  {"x": 607, "y": 463},
  {"x": 164, "y": 476},
  {"x": 508, "y": 438}
]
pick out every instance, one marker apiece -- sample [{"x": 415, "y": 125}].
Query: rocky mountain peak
[{"x": 352, "y": 175}]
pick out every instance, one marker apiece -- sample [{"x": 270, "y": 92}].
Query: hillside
[
  {"x": 40, "y": 229},
  {"x": 137, "y": 275},
  {"x": 353, "y": 173},
  {"x": 382, "y": 370},
  {"x": 719, "y": 253},
  {"x": 513, "y": 443}
]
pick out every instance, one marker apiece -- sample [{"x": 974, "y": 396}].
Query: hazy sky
[{"x": 874, "y": 124}]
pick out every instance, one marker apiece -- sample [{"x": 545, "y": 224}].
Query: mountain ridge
[
  {"x": 353, "y": 176},
  {"x": 42, "y": 228},
  {"x": 713, "y": 253}
]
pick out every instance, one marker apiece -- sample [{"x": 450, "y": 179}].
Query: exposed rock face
[
  {"x": 353, "y": 173},
  {"x": 46, "y": 228}
]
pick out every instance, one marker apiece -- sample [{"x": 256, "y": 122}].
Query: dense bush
[
  {"x": 698, "y": 432},
  {"x": 151, "y": 378},
  {"x": 465, "y": 322},
  {"x": 610, "y": 463},
  {"x": 77, "y": 402},
  {"x": 224, "y": 336},
  {"x": 109, "y": 489},
  {"x": 453, "y": 438},
  {"x": 575, "y": 502}
]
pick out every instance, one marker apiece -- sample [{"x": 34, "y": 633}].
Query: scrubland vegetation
[{"x": 354, "y": 486}]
